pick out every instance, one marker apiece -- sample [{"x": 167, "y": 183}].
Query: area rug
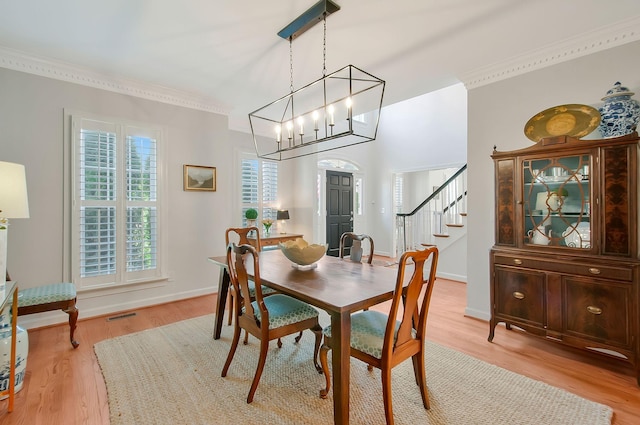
[{"x": 171, "y": 375}]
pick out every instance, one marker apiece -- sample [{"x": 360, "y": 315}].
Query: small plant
[
  {"x": 267, "y": 222},
  {"x": 251, "y": 214}
]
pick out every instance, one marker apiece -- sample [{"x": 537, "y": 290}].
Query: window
[
  {"x": 337, "y": 164},
  {"x": 398, "y": 189},
  {"x": 359, "y": 195},
  {"x": 259, "y": 180},
  {"x": 116, "y": 209}
]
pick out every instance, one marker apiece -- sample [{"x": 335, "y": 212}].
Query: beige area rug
[{"x": 171, "y": 375}]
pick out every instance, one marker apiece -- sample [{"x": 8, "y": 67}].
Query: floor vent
[{"x": 122, "y": 316}]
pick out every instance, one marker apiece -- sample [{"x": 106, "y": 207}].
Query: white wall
[
  {"x": 425, "y": 132},
  {"x": 31, "y": 123},
  {"x": 497, "y": 115}
]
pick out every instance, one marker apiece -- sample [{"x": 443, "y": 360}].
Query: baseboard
[
  {"x": 451, "y": 276},
  {"x": 477, "y": 314}
]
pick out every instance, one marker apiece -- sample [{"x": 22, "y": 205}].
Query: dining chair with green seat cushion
[
  {"x": 382, "y": 340},
  {"x": 242, "y": 236},
  {"x": 267, "y": 318},
  {"x": 353, "y": 242}
]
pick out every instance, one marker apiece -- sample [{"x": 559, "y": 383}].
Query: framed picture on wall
[{"x": 199, "y": 177}]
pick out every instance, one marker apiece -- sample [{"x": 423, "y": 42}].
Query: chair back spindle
[{"x": 241, "y": 234}]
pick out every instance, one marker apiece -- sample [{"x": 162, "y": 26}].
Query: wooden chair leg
[
  {"x": 264, "y": 347},
  {"x": 324, "y": 350},
  {"x": 421, "y": 378},
  {"x": 317, "y": 330},
  {"x": 385, "y": 373},
  {"x": 300, "y": 336},
  {"x": 73, "y": 319},
  {"x": 232, "y": 350}
]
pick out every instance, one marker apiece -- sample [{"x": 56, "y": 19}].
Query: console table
[{"x": 273, "y": 239}]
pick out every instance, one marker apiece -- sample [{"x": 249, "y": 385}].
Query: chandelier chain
[
  {"x": 291, "y": 62},
  {"x": 324, "y": 46}
]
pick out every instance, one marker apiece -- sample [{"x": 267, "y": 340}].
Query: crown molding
[
  {"x": 19, "y": 61},
  {"x": 623, "y": 32}
]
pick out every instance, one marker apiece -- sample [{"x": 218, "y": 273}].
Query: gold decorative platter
[{"x": 573, "y": 120}]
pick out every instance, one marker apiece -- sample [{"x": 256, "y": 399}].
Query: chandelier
[{"x": 338, "y": 110}]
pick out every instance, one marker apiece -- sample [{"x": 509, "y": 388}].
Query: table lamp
[
  {"x": 13, "y": 204},
  {"x": 281, "y": 216}
]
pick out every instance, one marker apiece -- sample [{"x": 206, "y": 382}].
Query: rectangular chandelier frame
[{"x": 338, "y": 110}]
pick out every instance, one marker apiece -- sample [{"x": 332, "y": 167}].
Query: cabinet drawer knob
[
  {"x": 518, "y": 295},
  {"x": 594, "y": 270},
  {"x": 594, "y": 310},
  {"x": 517, "y": 261}
]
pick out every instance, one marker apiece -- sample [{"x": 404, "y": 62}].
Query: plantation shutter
[
  {"x": 141, "y": 225},
  {"x": 398, "y": 193},
  {"x": 269, "y": 189},
  {"x": 259, "y": 187},
  {"x": 115, "y": 217},
  {"x": 96, "y": 165}
]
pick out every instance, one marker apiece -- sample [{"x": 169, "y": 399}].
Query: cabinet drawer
[
  {"x": 600, "y": 311},
  {"x": 519, "y": 295},
  {"x": 567, "y": 267},
  {"x": 270, "y": 242}
]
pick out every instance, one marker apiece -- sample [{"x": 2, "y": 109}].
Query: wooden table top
[{"x": 336, "y": 285}]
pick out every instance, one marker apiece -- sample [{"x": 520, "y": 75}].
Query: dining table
[{"x": 338, "y": 286}]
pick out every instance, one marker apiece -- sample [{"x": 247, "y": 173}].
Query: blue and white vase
[
  {"x": 619, "y": 113},
  {"x": 22, "y": 350}
]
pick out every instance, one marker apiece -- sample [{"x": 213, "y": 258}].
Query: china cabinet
[{"x": 565, "y": 261}]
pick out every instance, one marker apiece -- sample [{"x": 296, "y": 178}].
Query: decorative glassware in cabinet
[{"x": 556, "y": 202}]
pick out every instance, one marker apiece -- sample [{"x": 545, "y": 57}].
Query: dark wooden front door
[{"x": 339, "y": 208}]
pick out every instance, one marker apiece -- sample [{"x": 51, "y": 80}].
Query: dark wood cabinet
[{"x": 565, "y": 262}]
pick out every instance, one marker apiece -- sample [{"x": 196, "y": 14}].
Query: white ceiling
[{"x": 224, "y": 55}]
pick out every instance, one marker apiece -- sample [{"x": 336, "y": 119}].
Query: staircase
[{"x": 439, "y": 220}]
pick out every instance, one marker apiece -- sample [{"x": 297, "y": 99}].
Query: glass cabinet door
[{"x": 556, "y": 202}]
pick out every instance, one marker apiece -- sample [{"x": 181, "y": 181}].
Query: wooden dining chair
[
  {"x": 241, "y": 236},
  {"x": 353, "y": 242},
  {"x": 381, "y": 340},
  {"x": 267, "y": 318}
]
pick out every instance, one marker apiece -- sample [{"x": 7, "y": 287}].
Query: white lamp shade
[{"x": 13, "y": 191}]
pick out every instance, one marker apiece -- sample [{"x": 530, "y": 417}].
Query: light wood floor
[{"x": 65, "y": 386}]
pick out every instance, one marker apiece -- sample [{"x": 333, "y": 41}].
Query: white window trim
[{"x": 152, "y": 130}]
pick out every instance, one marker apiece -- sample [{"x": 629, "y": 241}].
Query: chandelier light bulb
[
  {"x": 301, "y": 124},
  {"x": 290, "y": 129},
  {"x": 315, "y": 120},
  {"x": 331, "y": 110},
  {"x": 349, "y": 102},
  {"x": 278, "y": 133}
]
